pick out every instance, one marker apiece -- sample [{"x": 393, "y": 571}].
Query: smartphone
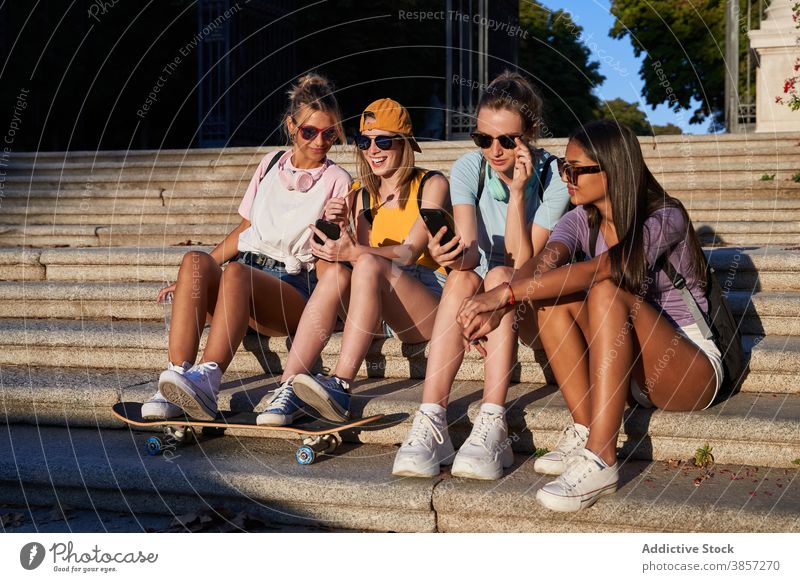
[
  {"x": 434, "y": 220},
  {"x": 331, "y": 230}
]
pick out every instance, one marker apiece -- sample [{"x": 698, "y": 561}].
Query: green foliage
[
  {"x": 796, "y": 461},
  {"x": 627, "y": 113},
  {"x": 703, "y": 456},
  {"x": 668, "y": 129},
  {"x": 796, "y": 177},
  {"x": 688, "y": 40},
  {"x": 767, "y": 177},
  {"x": 540, "y": 451},
  {"x": 554, "y": 55}
]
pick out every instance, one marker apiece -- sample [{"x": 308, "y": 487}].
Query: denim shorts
[
  {"x": 433, "y": 280},
  {"x": 304, "y": 281}
]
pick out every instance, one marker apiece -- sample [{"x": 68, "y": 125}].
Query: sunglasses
[
  {"x": 309, "y": 132},
  {"x": 572, "y": 172},
  {"x": 484, "y": 141},
  {"x": 383, "y": 142}
]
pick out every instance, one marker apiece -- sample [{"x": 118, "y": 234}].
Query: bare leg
[
  {"x": 195, "y": 296},
  {"x": 249, "y": 296},
  {"x": 564, "y": 325},
  {"x": 380, "y": 289},
  {"x": 319, "y": 318},
  {"x": 622, "y": 324},
  {"x": 500, "y": 346},
  {"x": 446, "y": 347}
]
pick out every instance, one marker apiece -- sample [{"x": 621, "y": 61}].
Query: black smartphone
[
  {"x": 434, "y": 220},
  {"x": 331, "y": 230}
]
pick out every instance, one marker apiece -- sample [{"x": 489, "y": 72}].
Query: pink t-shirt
[{"x": 279, "y": 217}]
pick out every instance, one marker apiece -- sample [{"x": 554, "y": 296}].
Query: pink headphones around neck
[{"x": 299, "y": 180}]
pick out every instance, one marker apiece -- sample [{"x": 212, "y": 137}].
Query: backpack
[
  {"x": 543, "y": 175},
  {"x": 366, "y": 210},
  {"x": 718, "y": 325}
]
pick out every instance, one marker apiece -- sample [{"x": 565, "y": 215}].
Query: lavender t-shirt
[{"x": 665, "y": 232}]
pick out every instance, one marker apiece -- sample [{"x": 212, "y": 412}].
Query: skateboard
[{"x": 319, "y": 436}]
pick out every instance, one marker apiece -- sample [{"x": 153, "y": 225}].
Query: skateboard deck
[{"x": 320, "y": 436}]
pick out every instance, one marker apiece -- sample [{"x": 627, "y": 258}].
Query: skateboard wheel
[
  {"x": 305, "y": 455},
  {"x": 153, "y": 446}
]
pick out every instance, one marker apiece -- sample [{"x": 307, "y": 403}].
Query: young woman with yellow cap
[{"x": 383, "y": 270}]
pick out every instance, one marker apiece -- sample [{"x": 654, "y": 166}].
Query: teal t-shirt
[{"x": 464, "y": 177}]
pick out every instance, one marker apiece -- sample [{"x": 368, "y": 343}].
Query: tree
[
  {"x": 668, "y": 129},
  {"x": 555, "y": 57},
  {"x": 627, "y": 113},
  {"x": 684, "y": 48}
]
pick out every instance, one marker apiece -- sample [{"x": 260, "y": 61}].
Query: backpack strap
[
  {"x": 366, "y": 210},
  {"x": 422, "y": 185},
  {"x": 679, "y": 282},
  {"x": 481, "y": 179},
  {"x": 593, "y": 234},
  {"x": 273, "y": 161}
]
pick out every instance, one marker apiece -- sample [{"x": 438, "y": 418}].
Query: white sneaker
[
  {"x": 195, "y": 391},
  {"x": 425, "y": 449},
  {"x": 572, "y": 440},
  {"x": 158, "y": 407},
  {"x": 585, "y": 480},
  {"x": 487, "y": 451}
]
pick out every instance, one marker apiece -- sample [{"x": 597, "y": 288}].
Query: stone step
[
  {"x": 749, "y": 269},
  {"x": 111, "y": 212},
  {"x": 167, "y": 233},
  {"x": 761, "y": 313},
  {"x": 774, "y": 365},
  {"x": 780, "y": 166},
  {"x": 354, "y": 489},
  {"x": 761, "y": 429}
]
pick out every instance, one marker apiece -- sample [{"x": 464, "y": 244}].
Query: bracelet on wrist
[{"x": 511, "y": 299}]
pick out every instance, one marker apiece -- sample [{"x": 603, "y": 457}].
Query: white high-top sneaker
[
  {"x": 195, "y": 391},
  {"x": 572, "y": 440},
  {"x": 585, "y": 480},
  {"x": 426, "y": 448},
  {"x": 158, "y": 407},
  {"x": 487, "y": 451}
]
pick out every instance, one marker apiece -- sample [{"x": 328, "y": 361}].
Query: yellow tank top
[{"x": 392, "y": 225}]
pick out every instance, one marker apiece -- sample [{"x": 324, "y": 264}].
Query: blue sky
[{"x": 617, "y": 62}]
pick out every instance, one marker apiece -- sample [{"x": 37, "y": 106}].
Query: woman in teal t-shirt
[{"x": 506, "y": 200}]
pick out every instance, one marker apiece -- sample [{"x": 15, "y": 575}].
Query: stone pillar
[{"x": 776, "y": 45}]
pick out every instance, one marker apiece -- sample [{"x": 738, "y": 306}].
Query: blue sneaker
[
  {"x": 283, "y": 407},
  {"x": 328, "y": 395}
]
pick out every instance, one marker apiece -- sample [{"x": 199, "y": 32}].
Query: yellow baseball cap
[{"x": 388, "y": 115}]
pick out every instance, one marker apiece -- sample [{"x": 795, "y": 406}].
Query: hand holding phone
[
  {"x": 435, "y": 219},
  {"x": 331, "y": 230}
]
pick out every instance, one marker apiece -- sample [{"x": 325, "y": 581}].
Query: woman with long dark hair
[{"x": 609, "y": 323}]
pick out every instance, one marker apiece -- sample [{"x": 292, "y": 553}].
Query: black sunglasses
[
  {"x": 483, "y": 140},
  {"x": 572, "y": 172},
  {"x": 384, "y": 142}
]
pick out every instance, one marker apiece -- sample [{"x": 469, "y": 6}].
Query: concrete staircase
[{"x": 88, "y": 238}]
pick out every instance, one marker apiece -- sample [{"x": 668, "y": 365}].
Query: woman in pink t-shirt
[
  {"x": 613, "y": 325},
  {"x": 271, "y": 271}
]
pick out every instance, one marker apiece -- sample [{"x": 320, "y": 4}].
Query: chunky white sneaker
[
  {"x": 158, "y": 407},
  {"x": 195, "y": 391},
  {"x": 573, "y": 439},
  {"x": 283, "y": 408},
  {"x": 487, "y": 451},
  {"x": 585, "y": 480},
  {"x": 426, "y": 448}
]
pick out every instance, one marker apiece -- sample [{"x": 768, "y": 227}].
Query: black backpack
[{"x": 718, "y": 325}]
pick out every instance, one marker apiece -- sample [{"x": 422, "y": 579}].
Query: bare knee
[
  {"x": 463, "y": 283},
  {"x": 336, "y": 273},
  {"x": 369, "y": 267},
  {"x": 497, "y": 277},
  {"x": 603, "y": 295},
  {"x": 197, "y": 266}
]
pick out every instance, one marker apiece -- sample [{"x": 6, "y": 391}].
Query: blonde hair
[
  {"x": 314, "y": 92},
  {"x": 405, "y": 174}
]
